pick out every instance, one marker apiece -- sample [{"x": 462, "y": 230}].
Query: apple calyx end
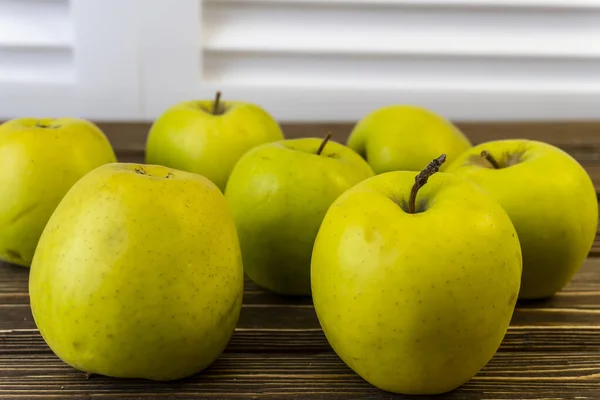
[
  {"x": 141, "y": 171},
  {"x": 39, "y": 124},
  {"x": 422, "y": 178}
]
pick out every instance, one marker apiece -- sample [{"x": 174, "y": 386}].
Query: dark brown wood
[
  {"x": 551, "y": 350},
  {"x": 576, "y": 137},
  {"x": 531, "y": 375},
  {"x": 580, "y": 139},
  {"x": 577, "y": 305},
  {"x": 288, "y": 341}
]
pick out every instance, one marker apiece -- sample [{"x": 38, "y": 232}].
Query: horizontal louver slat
[
  {"x": 304, "y": 28},
  {"x": 36, "y": 41},
  {"x": 535, "y": 4},
  {"x": 355, "y": 45}
]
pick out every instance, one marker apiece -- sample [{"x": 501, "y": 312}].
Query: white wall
[{"x": 313, "y": 60}]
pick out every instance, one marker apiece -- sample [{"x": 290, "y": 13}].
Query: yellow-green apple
[
  {"x": 279, "y": 193},
  {"x": 551, "y": 201},
  {"x": 405, "y": 138},
  {"x": 208, "y": 137},
  {"x": 414, "y": 286},
  {"x": 40, "y": 159},
  {"x": 138, "y": 274}
]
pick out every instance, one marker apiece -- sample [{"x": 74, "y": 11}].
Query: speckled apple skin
[
  {"x": 279, "y": 193},
  {"x": 188, "y": 137},
  {"x": 551, "y": 201},
  {"x": 403, "y": 137},
  {"x": 416, "y": 303},
  {"x": 40, "y": 159},
  {"x": 138, "y": 274}
]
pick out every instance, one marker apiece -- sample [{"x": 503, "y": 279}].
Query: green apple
[
  {"x": 551, "y": 201},
  {"x": 40, "y": 159},
  {"x": 279, "y": 193},
  {"x": 416, "y": 300},
  {"x": 138, "y": 274},
  {"x": 405, "y": 138},
  {"x": 208, "y": 137}
]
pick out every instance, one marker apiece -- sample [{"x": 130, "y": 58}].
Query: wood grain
[
  {"x": 291, "y": 341},
  {"x": 279, "y": 352},
  {"x": 578, "y": 304},
  {"x": 537, "y": 375},
  {"x": 580, "y": 139},
  {"x": 551, "y": 350}
]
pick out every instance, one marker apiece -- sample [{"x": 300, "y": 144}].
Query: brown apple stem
[
  {"x": 490, "y": 159},
  {"x": 88, "y": 375},
  {"x": 421, "y": 180},
  {"x": 216, "y": 103},
  {"x": 323, "y": 143}
]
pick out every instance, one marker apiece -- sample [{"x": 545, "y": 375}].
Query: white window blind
[
  {"x": 69, "y": 58},
  {"x": 303, "y": 60},
  {"x": 338, "y": 59}
]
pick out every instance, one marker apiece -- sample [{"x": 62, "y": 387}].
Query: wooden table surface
[{"x": 551, "y": 350}]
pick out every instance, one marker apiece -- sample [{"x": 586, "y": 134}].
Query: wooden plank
[
  {"x": 249, "y": 340},
  {"x": 551, "y": 351},
  {"x": 536, "y": 363},
  {"x": 284, "y": 317},
  {"x": 531, "y": 375},
  {"x": 580, "y": 139},
  {"x": 584, "y": 135},
  {"x": 295, "y": 317},
  {"x": 578, "y": 304},
  {"x": 131, "y": 136}
]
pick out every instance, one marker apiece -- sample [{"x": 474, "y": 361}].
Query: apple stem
[
  {"x": 216, "y": 103},
  {"x": 88, "y": 375},
  {"x": 490, "y": 159},
  {"x": 323, "y": 143},
  {"x": 421, "y": 180}
]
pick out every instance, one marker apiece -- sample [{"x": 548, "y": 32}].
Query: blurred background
[{"x": 303, "y": 60}]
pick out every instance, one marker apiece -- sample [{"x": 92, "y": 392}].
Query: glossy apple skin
[
  {"x": 40, "y": 159},
  {"x": 415, "y": 303},
  {"x": 279, "y": 193},
  {"x": 406, "y": 138},
  {"x": 138, "y": 275},
  {"x": 552, "y": 203},
  {"x": 190, "y": 138}
]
